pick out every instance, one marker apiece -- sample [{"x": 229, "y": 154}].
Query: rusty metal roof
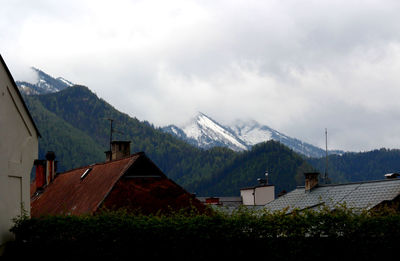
[
  {"x": 69, "y": 194},
  {"x": 150, "y": 196},
  {"x": 132, "y": 183}
]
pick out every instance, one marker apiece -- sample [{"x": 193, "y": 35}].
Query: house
[
  {"x": 257, "y": 195},
  {"x": 131, "y": 182},
  {"x": 358, "y": 195},
  {"x": 18, "y": 149},
  {"x": 251, "y": 197}
]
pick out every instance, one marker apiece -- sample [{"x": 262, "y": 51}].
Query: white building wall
[
  {"x": 18, "y": 150},
  {"x": 264, "y": 195},
  {"x": 258, "y": 195},
  {"x": 247, "y": 196}
]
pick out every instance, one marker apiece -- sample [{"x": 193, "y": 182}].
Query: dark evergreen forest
[{"x": 74, "y": 124}]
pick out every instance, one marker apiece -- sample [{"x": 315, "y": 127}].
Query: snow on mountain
[
  {"x": 65, "y": 81},
  {"x": 45, "y": 84},
  {"x": 208, "y": 132},
  {"x": 204, "y": 132},
  {"x": 251, "y": 132}
]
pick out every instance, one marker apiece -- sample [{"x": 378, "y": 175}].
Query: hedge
[{"x": 305, "y": 235}]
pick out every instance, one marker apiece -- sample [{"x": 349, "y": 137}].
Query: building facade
[
  {"x": 257, "y": 195},
  {"x": 18, "y": 150}
]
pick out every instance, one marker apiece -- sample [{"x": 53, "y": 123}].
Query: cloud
[{"x": 297, "y": 66}]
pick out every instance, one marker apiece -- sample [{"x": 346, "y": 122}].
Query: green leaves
[{"x": 119, "y": 234}]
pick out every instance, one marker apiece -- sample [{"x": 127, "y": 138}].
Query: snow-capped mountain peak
[
  {"x": 209, "y": 133},
  {"x": 70, "y": 84},
  {"x": 205, "y": 132},
  {"x": 251, "y": 132},
  {"x": 45, "y": 84}
]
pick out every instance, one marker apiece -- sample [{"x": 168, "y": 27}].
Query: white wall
[
  {"x": 258, "y": 195},
  {"x": 247, "y": 196},
  {"x": 18, "y": 150},
  {"x": 264, "y": 195}
]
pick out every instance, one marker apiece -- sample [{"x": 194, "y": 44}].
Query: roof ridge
[
  {"x": 352, "y": 183},
  {"x": 103, "y": 163},
  {"x": 357, "y": 182}
]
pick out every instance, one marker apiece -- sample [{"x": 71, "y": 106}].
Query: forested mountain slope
[
  {"x": 361, "y": 166},
  {"x": 74, "y": 123}
]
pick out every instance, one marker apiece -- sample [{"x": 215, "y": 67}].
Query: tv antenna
[
  {"x": 112, "y": 130},
  {"x": 263, "y": 181},
  {"x": 326, "y": 179}
]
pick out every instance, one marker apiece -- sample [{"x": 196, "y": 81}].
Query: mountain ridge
[
  {"x": 44, "y": 85},
  {"x": 241, "y": 135},
  {"x": 74, "y": 125},
  {"x": 201, "y": 131}
]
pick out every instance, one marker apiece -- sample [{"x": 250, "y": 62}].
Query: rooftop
[{"x": 357, "y": 195}]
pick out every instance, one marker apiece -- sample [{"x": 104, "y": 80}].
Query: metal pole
[
  {"x": 111, "y": 131},
  {"x": 326, "y": 149}
]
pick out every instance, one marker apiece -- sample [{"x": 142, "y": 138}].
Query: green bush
[{"x": 305, "y": 235}]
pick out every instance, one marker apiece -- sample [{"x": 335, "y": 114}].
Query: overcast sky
[{"x": 296, "y": 66}]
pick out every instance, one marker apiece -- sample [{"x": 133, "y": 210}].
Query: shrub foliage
[{"x": 305, "y": 235}]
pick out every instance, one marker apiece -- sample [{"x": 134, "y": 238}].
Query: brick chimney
[
  {"x": 50, "y": 166},
  {"x": 40, "y": 176},
  {"x": 119, "y": 150},
  {"x": 311, "y": 179}
]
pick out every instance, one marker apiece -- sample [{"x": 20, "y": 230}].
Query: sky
[{"x": 297, "y": 66}]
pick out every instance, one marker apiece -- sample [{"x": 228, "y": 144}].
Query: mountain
[
  {"x": 360, "y": 166},
  {"x": 73, "y": 123},
  {"x": 201, "y": 131},
  {"x": 44, "y": 85},
  {"x": 204, "y": 132},
  {"x": 284, "y": 166},
  {"x": 251, "y": 132}
]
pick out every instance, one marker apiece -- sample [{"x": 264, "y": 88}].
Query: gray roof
[{"x": 360, "y": 195}]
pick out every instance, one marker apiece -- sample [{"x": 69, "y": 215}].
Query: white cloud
[{"x": 297, "y": 66}]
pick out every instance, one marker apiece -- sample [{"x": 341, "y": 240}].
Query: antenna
[
  {"x": 326, "y": 150},
  {"x": 111, "y": 130}
]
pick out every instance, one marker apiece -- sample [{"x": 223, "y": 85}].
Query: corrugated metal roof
[
  {"x": 133, "y": 183},
  {"x": 69, "y": 194},
  {"x": 360, "y": 195}
]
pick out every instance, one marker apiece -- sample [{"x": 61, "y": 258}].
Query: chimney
[
  {"x": 50, "y": 166},
  {"x": 108, "y": 155},
  {"x": 119, "y": 150},
  {"x": 40, "y": 176},
  {"x": 311, "y": 179}
]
